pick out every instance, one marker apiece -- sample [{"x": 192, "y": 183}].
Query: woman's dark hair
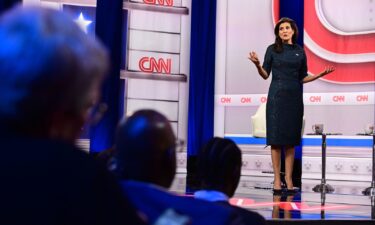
[{"x": 278, "y": 47}]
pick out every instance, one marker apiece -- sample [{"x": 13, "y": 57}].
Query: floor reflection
[
  {"x": 283, "y": 205},
  {"x": 254, "y": 193}
]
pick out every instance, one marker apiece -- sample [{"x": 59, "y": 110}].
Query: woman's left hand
[{"x": 328, "y": 69}]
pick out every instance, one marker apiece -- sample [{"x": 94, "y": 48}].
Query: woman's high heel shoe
[
  {"x": 294, "y": 190},
  {"x": 277, "y": 191}
]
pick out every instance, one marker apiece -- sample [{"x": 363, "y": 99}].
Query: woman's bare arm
[{"x": 309, "y": 78}]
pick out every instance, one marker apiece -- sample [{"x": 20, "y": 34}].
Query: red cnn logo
[
  {"x": 339, "y": 98},
  {"x": 362, "y": 98},
  {"x": 245, "y": 100},
  {"x": 160, "y": 2},
  {"x": 225, "y": 100},
  {"x": 315, "y": 98},
  {"x": 149, "y": 65}
]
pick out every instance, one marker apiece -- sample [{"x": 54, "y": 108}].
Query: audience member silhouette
[
  {"x": 50, "y": 74},
  {"x": 146, "y": 164},
  {"x": 219, "y": 169}
]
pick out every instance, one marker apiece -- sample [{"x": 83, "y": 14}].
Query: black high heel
[
  {"x": 294, "y": 190},
  {"x": 277, "y": 191}
]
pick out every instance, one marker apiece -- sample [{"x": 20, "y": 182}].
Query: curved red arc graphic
[
  {"x": 344, "y": 73},
  {"x": 276, "y": 11},
  {"x": 353, "y": 44}
]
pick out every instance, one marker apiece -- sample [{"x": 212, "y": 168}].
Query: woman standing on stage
[{"x": 284, "y": 112}]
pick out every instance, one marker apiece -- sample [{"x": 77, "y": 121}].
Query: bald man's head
[{"x": 145, "y": 149}]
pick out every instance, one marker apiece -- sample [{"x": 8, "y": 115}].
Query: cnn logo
[
  {"x": 150, "y": 64},
  {"x": 159, "y": 2}
]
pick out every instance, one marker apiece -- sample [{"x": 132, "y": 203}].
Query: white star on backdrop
[{"x": 83, "y": 23}]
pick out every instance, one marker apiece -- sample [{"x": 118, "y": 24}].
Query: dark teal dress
[{"x": 284, "y": 111}]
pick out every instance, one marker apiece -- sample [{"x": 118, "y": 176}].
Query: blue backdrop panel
[
  {"x": 202, "y": 75},
  {"x": 109, "y": 24}
]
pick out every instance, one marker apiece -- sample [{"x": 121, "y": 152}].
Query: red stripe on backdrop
[
  {"x": 276, "y": 11},
  {"x": 344, "y": 73},
  {"x": 352, "y": 44}
]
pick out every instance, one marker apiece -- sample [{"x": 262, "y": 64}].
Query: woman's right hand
[{"x": 254, "y": 58}]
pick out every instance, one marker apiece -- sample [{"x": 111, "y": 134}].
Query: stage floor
[{"x": 346, "y": 203}]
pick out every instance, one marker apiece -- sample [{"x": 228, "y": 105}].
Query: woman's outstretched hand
[
  {"x": 254, "y": 58},
  {"x": 327, "y": 70}
]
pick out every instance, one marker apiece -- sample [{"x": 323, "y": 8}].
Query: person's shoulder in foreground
[
  {"x": 157, "y": 204},
  {"x": 249, "y": 217},
  {"x": 52, "y": 182}
]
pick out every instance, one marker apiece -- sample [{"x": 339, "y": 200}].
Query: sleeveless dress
[{"x": 284, "y": 110}]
